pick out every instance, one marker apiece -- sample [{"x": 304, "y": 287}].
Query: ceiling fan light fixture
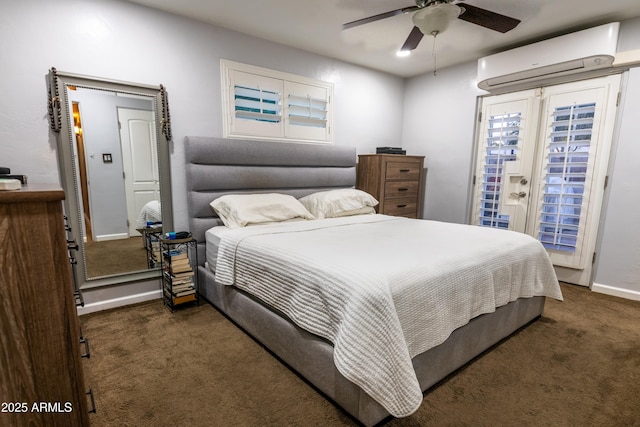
[{"x": 435, "y": 18}]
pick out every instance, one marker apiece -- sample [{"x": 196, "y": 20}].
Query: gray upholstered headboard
[{"x": 217, "y": 166}]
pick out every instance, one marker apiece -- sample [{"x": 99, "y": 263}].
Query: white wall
[
  {"x": 618, "y": 260},
  {"x": 439, "y": 123},
  {"x": 128, "y": 42},
  {"x": 618, "y": 257}
]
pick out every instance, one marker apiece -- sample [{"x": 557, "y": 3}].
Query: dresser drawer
[
  {"x": 403, "y": 170},
  {"x": 401, "y": 207},
  {"x": 395, "y": 189}
]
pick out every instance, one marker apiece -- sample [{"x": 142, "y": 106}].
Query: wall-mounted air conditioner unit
[{"x": 572, "y": 53}]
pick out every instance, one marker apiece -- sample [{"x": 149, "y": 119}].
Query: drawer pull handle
[
  {"x": 405, "y": 170},
  {"x": 401, "y": 206},
  {"x": 89, "y": 393},
  {"x": 403, "y": 189},
  {"x": 87, "y": 352},
  {"x": 78, "y": 298},
  {"x": 72, "y": 245}
]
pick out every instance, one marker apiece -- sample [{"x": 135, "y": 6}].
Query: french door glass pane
[
  {"x": 501, "y": 146},
  {"x": 566, "y": 174}
]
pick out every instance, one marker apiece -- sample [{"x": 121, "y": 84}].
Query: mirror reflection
[
  {"x": 113, "y": 153},
  {"x": 117, "y": 168}
]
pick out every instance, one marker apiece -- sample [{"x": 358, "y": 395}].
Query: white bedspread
[
  {"x": 383, "y": 289},
  {"x": 150, "y": 212}
]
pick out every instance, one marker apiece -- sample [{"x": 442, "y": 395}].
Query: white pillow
[
  {"x": 367, "y": 210},
  {"x": 240, "y": 210},
  {"x": 335, "y": 203}
]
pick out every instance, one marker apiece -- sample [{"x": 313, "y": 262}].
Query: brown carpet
[
  {"x": 579, "y": 365},
  {"x": 115, "y": 256}
]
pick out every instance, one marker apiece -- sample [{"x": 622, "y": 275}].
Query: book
[
  {"x": 176, "y": 300},
  {"x": 185, "y": 293},
  {"x": 184, "y": 299},
  {"x": 10, "y": 184},
  {"x": 183, "y": 274},
  {"x": 21, "y": 178},
  {"x": 182, "y": 281},
  {"x": 180, "y": 264},
  {"x": 179, "y": 269},
  {"x": 175, "y": 254},
  {"x": 182, "y": 287}
]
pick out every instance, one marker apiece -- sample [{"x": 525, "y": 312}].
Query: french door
[{"x": 541, "y": 168}]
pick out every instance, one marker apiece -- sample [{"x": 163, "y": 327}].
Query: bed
[
  {"x": 150, "y": 214},
  {"x": 331, "y": 358}
]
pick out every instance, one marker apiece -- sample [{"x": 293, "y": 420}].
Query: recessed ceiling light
[{"x": 403, "y": 53}]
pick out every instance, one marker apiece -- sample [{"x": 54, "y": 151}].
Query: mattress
[
  {"x": 212, "y": 239},
  {"x": 393, "y": 288}
]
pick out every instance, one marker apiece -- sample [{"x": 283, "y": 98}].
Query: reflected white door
[
  {"x": 542, "y": 167},
  {"x": 140, "y": 165}
]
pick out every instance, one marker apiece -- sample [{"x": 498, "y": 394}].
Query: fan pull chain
[{"x": 433, "y": 52}]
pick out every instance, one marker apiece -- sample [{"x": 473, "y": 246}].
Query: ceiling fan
[{"x": 432, "y": 17}]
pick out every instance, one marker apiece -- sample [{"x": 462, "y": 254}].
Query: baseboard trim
[
  {"x": 616, "y": 292},
  {"x": 107, "y": 237},
  {"x": 119, "y": 302}
]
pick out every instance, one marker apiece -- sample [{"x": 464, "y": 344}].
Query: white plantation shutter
[
  {"x": 575, "y": 138},
  {"x": 501, "y": 147},
  {"x": 265, "y": 104},
  {"x": 505, "y": 158},
  {"x": 307, "y": 111},
  {"x": 254, "y": 103},
  {"x": 565, "y": 176}
]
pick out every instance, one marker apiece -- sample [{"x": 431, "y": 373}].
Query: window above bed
[{"x": 259, "y": 103}]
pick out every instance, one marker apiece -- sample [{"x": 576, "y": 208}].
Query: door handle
[{"x": 520, "y": 194}]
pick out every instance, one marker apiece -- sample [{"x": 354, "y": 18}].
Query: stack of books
[
  {"x": 154, "y": 250},
  {"x": 179, "y": 277}
]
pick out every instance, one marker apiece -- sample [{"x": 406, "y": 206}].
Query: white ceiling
[{"x": 316, "y": 26}]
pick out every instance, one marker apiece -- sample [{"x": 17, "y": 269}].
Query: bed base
[{"x": 312, "y": 356}]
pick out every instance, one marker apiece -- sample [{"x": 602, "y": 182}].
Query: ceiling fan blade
[
  {"x": 486, "y": 18},
  {"x": 379, "y": 17},
  {"x": 413, "y": 40}
]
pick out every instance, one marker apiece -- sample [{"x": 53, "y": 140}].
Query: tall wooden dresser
[
  {"x": 395, "y": 180},
  {"x": 41, "y": 379}
]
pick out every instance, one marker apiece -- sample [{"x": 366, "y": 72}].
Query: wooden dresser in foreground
[
  {"x": 41, "y": 380},
  {"x": 395, "y": 180}
]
